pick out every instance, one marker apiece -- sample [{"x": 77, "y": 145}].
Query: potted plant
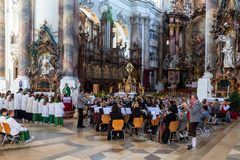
[{"x": 234, "y": 99}]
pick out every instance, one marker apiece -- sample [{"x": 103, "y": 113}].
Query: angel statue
[
  {"x": 174, "y": 62},
  {"x": 228, "y": 51},
  {"x": 46, "y": 66}
]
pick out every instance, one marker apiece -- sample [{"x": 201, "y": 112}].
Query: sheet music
[
  {"x": 107, "y": 110},
  {"x": 96, "y": 109},
  {"x": 123, "y": 111},
  {"x": 128, "y": 110}
]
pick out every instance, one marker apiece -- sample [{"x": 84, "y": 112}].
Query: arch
[{"x": 90, "y": 14}]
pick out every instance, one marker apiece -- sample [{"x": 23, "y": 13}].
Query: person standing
[
  {"x": 18, "y": 104},
  {"x": 195, "y": 118},
  {"x": 66, "y": 91},
  {"x": 81, "y": 101}
]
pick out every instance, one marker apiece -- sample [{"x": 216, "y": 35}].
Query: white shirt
[
  {"x": 2, "y": 118},
  {"x": 24, "y": 102},
  {"x": 6, "y": 103},
  {"x": 51, "y": 109},
  {"x": 17, "y": 101},
  {"x": 35, "y": 106},
  {"x": 15, "y": 127},
  {"x": 45, "y": 112},
  {"x": 59, "y": 109},
  {"x": 11, "y": 105},
  {"x": 1, "y": 102},
  {"x": 29, "y": 104},
  {"x": 227, "y": 107},
  {"x": 40, "y": 104}
]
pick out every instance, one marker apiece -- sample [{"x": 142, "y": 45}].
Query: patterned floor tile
[
  {"x": 127, "y": 145},
  {"x": 151, "y": 157},
  {"x": 97, "y": 156},
  {"x": 114, "y": 150},
  {"x": 164, "y": 151},
  {"x": 138, "y": 150}
]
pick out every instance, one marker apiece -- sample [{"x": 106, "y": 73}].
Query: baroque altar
[
  {"x": 45, "y": 60},
  {"x": 129, "y": 86}
]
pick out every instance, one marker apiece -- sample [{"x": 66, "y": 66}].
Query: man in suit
[
  {"x": 195, "y": 117},
  {"x": 81, "y": 101}
]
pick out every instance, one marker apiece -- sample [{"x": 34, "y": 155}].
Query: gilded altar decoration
[{"x": 44, "y": 69}]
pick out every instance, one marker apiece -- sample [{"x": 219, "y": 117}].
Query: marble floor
[{"x": 69, "y": 143}]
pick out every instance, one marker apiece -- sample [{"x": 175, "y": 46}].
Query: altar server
[
  {"x": 7, "y": 99},
  {"x": 16, "y": 128},
  {"x": 40, "y": 105},
  {"x": 51, "y": 111},
  {"x": 24, "y": 105},
  {"x": 29, "y": 107},
  {"x": 2, "y": 99},
  {"x": 35, "y": 109},
  {"x": 45, "y": 112},
  {"x": 58, "y": 112},
  {"x": 11, "y": 102},
  {"x": 17, "y": 104}
]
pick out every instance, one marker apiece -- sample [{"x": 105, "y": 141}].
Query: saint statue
[
  {"x": 46, "y": 67},
  {"x": 228, "y": 51}
]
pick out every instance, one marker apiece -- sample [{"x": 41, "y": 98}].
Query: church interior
[{"x": 83, "y": 58}]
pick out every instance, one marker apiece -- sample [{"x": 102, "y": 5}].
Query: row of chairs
[
  {"x": 5, "y": 131},
  {"x": 138, "y": 123}
]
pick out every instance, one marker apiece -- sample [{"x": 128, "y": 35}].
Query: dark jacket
[
  {"x": 116, "y": 115},
  {"x": 170, "y": 117},
  {"x": 136, "y": 112}
]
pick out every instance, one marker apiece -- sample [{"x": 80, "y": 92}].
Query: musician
[
  {"x": 195, "y": 117},
  {"x": 115, "y": 114},
  {"x": 171, "y": 116},
  {"x": 81, "y": 102},
  {"x": 136, "y": 113}
]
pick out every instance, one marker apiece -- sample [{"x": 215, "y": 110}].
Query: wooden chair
[
  {"x": 117, "y": 126},
  {"x": 105, "y": 121},
  {"x": 137, "y": 123},
  {"x": 8, "y": 133},
  {"x": 173, "y": 126},
  {"x": 154, "y": 123}
]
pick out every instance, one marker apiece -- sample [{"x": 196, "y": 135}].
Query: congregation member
[
  {"x": 3, "y": 114},
  {"x": 195, "y": 117},
  {"x": 225, "y": 110}
]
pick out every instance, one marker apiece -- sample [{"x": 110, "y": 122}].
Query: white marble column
[
  {"x": 70, "y": 47},
  {"x": 24, "y": 40},
  {"x": 211, "y": 7},
  {"x": 2, "y": 46},
  {"x": 146, "y": 21},
  {"x": 204, "y": 89}
]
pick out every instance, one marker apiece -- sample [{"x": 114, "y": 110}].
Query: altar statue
[
  {"x": 46, "y": 67},
  {"x": 228, "y": 51}
]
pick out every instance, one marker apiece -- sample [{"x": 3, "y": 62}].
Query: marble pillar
[
  {"x": 177, "y": 27},
  {"x": 146, "y": 22},
  {"x": 70, "y": 49},
  {"x": 2, "y": 47},
  {"x": 205, "y": 87},
  {"x": 171, "y": 39},
  {"x": 24, "y": 40},
  {"x": 211, "y": 7},
  {"x": 2, "y": 39},
  {"x": 160, "y": 54}
]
